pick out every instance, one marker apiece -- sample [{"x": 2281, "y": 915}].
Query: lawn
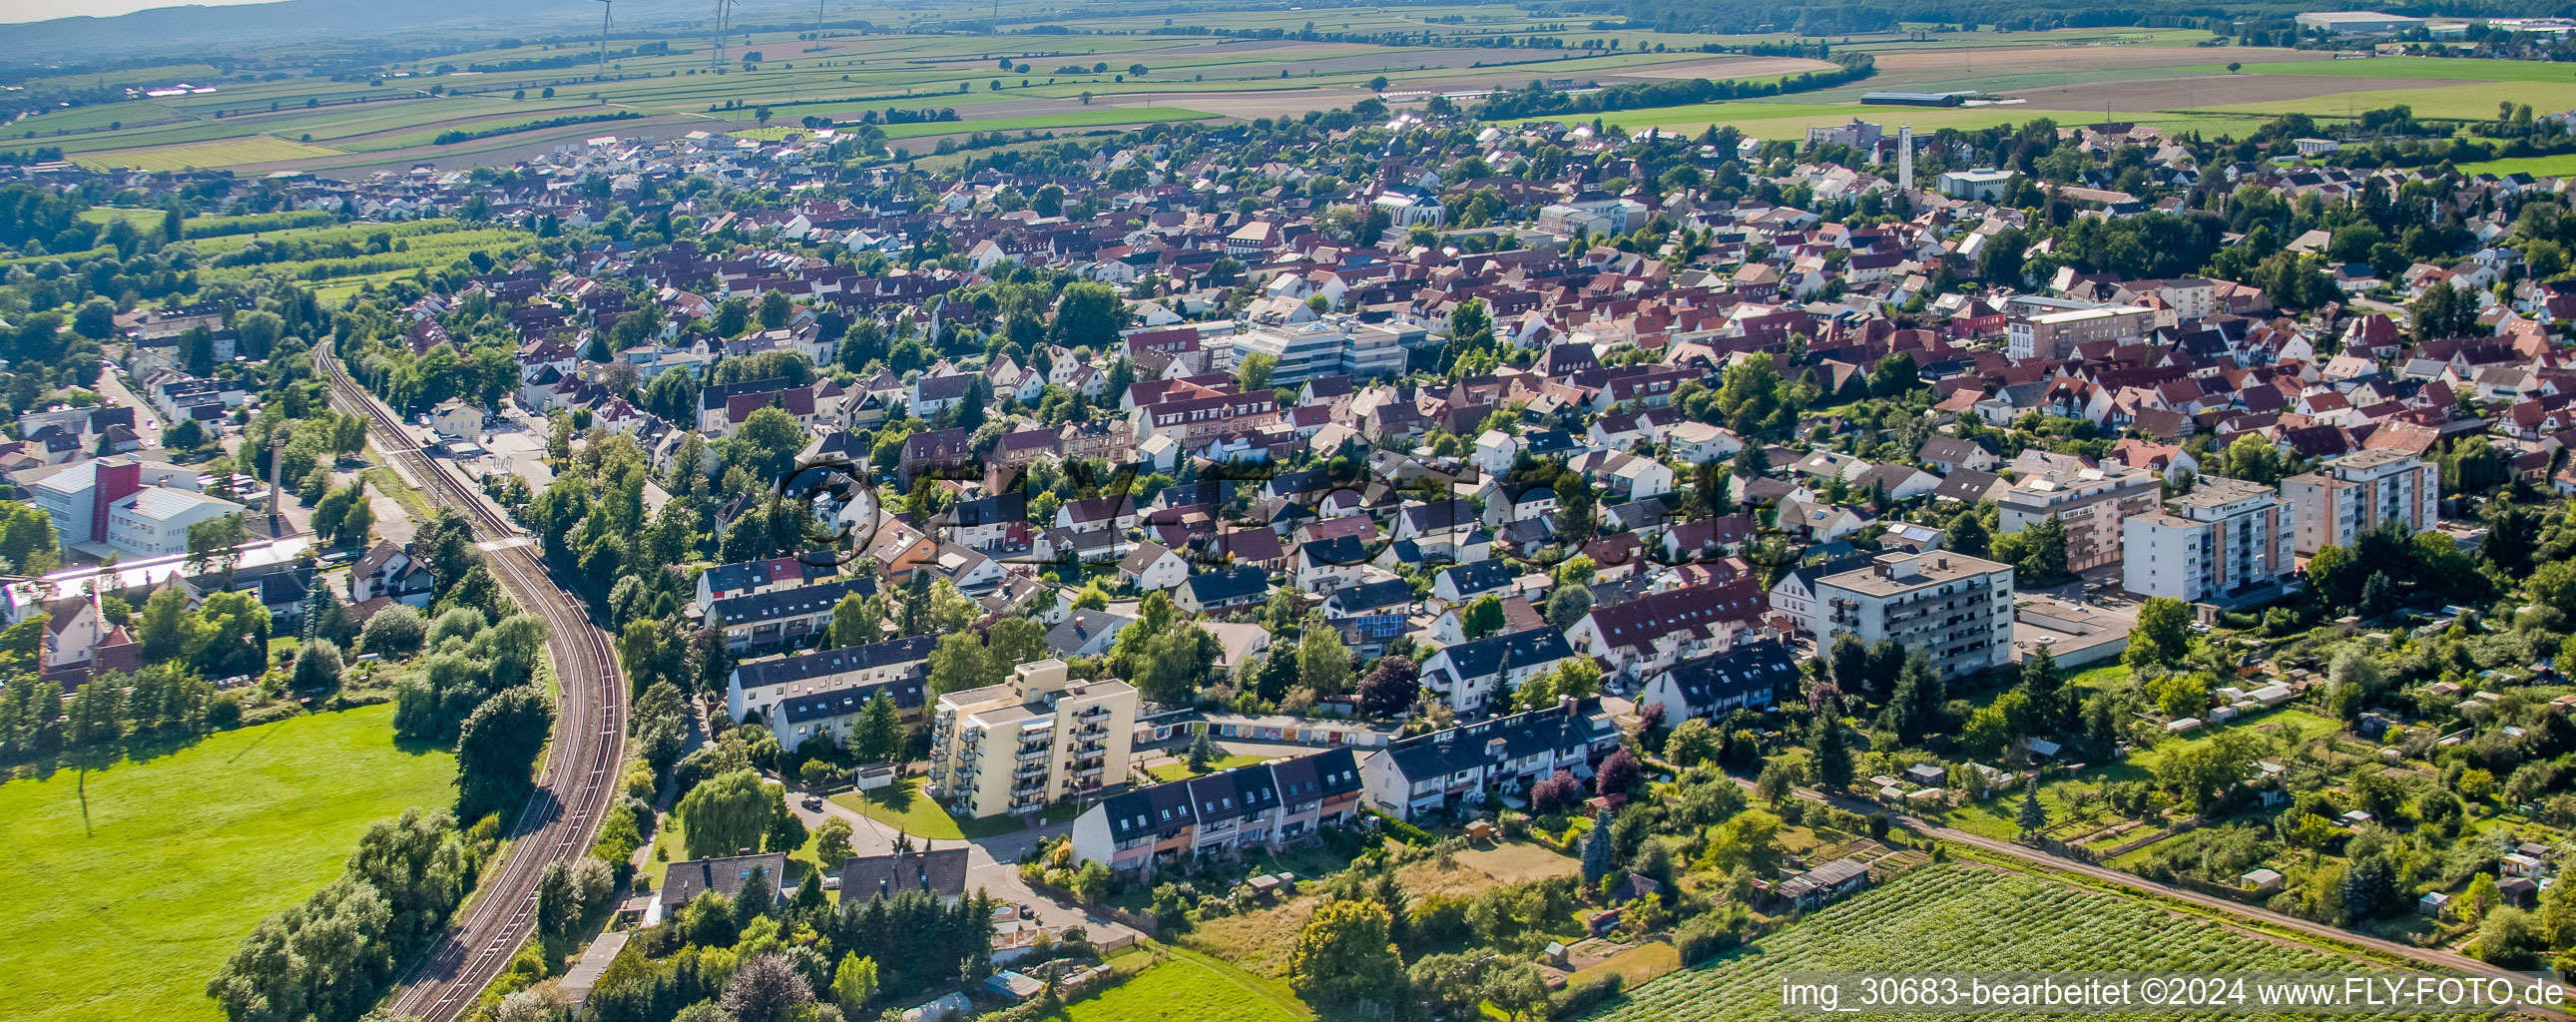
[
  {"x": 903, "y": 806},
  {"x": 1636, "y": 966},
  {"x": 1181, "y": 771},
  {"x": 1190, "y": 987},
  {"x": 181, "y": 855}
]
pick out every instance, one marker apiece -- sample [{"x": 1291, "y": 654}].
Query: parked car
[{"x": 814, "y": 802}]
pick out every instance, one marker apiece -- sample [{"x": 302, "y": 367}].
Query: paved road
[{"x": 2425, "y": 956}]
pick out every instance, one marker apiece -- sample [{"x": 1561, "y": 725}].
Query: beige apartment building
[
  {"x": 1040, "y": 738},
  {"x": 2091, "y": 502},
  {"x": 2347, "y": 496},
  {"x": 2055, "y": 334}
]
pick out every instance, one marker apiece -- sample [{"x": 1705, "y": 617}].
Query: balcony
[
  {"x": 1031, "y": 770},
  {"x": 1090, "y": 749},
  {"x": 1093, "y": 714},
  {"x": 1032, "y": 752}
]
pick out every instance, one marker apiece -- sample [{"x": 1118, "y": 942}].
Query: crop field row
[{"x": 1959, "y": 917}]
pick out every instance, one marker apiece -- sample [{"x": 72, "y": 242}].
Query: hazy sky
[{"x": 43, "y": 10}]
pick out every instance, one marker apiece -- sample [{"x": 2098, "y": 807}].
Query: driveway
[{"x": 992, "y": 864}]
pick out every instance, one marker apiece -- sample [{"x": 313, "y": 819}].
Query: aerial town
[{"x": 1432, "y": 557}]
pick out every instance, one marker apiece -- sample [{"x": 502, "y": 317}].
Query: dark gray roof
[
  {"x": 1001, "y": 507},
  {"x": 714, "y": 396},
  {"x": 1229, "y": 585},
  {"x": 1080, "y": 626},
  {"x": 849, "y": 700},
  {"x": 1547, "y": 442},
  {"x": 1229, "y": 794},
  {"x": 844, "y": 660},
  {"x": 1369, "y": 596},
  {"x": 1558, "y": 728},
  {"x": 782, "y": 603},
  {"x": 1494, "y": 654},
  {"x": 1481, "y": 577},
  {"x": 724, "y": 876},
  {"x": 1749, "y": 667},
  {"x": 939, "y": 871},
  {"x": 1448, "y": 514}
]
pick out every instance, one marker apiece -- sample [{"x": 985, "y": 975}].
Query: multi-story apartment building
[
  {"x": 1952, "y": 607},
  {"x": 754, "y": 689},
  {"x": 1333, "y": 345},
  {"x": 1437, "y": 770},
  {"x": 1037, "y": 739},
  {"x": 2349, "y": 495},
  {"x": 2224, "y": 538},
  {"x": 2054, "y": 334},
  {"x": 2090, "y": 502},
  {"x": 782, "y": 615},
  {"x": 1193, "y": 414},
  {"x": 1267, "y": 805}
]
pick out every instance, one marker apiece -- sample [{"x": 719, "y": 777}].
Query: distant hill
[{"x": 194, "y": 27}]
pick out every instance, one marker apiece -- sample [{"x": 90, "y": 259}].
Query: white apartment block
[
  {"x": 2090, "y": 502},
  {"x": 2224, "y": 538},
  {"x": 2349, "y": 495},
  {"x": 1954, "y": 608},
  {"x": 1039, "y": 738}
]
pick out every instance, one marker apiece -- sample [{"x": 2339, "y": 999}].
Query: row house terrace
[{"x": 1268, "y": 806}]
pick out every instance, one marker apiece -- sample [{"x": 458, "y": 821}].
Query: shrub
[
  {"x": 394, "y": 632},
  {"x": 1582, "y": 998},
  {"x": 1401, "y": 830},
  {"x": 1704, "y": 935}
]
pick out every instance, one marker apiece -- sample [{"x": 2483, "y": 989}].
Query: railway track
[{"x": 580, "y": 777}]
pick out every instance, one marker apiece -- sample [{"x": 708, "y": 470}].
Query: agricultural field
[
  {"x": 1036, "y": 83},
  {"x": 2562, "y": 165},
  {"x": 1961, "y": 916},
  {"x": 152, "y": 870}
]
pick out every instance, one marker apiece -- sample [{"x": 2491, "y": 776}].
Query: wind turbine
[{"x": 605, "y": 6}]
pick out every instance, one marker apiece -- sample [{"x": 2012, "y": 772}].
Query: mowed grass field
[
  {"x": 123, "y": 913},
  {"x": 1189, "y": 987}
]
